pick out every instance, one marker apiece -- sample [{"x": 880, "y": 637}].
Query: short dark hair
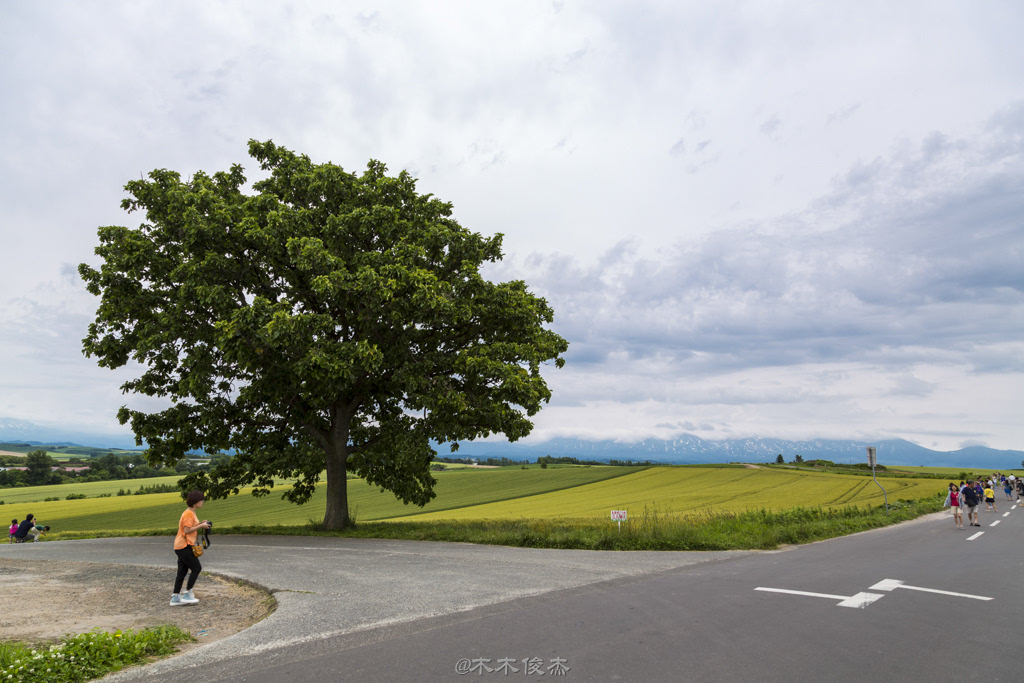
[
  {"x": 194, "y": 497},
  {"x": 30, "y": 518}
]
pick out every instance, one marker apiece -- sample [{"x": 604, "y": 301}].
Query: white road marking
[
  {"x": 861, "y": 600},
  {"x": 813, "y": 595},
  {"x": 1006, "y": 514},
  {"x": 887, "y": 585},
  {"x": 971, "y": 538},
  {"x": 994, "y": 523},
  {"x": 892, "y": 584}
]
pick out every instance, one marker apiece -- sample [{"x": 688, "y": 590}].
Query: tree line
[{"x": 39, "y": 470}]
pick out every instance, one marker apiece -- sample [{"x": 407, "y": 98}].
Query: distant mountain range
[
  {"x": 682, "y": 450},
  {"x": 26, "y": 432}
]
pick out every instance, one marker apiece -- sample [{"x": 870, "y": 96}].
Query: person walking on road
[
  {"x": 953, "y": 501},
  {"x": 990, "y": 499},
  {"x": 971, "y": 501},
  {"x": 188, "y": 526}
]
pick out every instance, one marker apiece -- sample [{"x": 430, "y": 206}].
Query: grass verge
[
  {"x": 654, "y": 529},
  {"x": 88, "y": 655}
]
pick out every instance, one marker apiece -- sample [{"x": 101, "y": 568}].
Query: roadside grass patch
[{"x": 88, "y": 655}]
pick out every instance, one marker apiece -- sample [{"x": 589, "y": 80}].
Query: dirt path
[{"x": 43, "y": 601}]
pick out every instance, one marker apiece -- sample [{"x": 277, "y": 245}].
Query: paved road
[
  {"x": 332, "y": 586},
  {"x": 405, "y": 611}
]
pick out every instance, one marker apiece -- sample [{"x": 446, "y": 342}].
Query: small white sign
[{"x": 618, "y": 515}]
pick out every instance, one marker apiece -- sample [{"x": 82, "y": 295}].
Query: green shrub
[
  {"x": 75, "y": 496},
  {"x": 87, "y": 655}
]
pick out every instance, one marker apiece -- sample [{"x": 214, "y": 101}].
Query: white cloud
[{"x": 794, "y": 220}]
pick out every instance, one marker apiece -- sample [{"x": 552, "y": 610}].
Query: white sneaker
[
  {"x": 176, "y": 600},
  {"x": 188, "y": 598}
]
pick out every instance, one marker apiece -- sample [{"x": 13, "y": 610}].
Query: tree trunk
[{"x": 336, "y": 515}]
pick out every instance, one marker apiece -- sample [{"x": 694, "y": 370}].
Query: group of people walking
[{"x": 966, "y": 498}]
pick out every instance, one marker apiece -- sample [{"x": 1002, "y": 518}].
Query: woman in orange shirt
[{"x": 188, "y": 525}]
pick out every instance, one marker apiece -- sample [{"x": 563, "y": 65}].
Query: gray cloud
[{"x": 705, "y": 274}]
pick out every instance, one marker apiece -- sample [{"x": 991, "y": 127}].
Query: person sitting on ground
[
  {"x": 23, "y": 529},
  {"x": 37, "y": 531},
  {"x": 12, "y": 530}
]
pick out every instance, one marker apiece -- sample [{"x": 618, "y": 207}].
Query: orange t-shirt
[{"x": 183, "y": 540}]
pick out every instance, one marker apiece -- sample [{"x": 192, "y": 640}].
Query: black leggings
[{"x": 186, "y": 561}]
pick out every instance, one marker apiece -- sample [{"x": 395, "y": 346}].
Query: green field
[
  {"x": 33, "y": 494},
  {"x": 480, "y": 494},
  {"x": 457, "y": 488}
]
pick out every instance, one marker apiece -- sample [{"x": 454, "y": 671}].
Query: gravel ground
[{"x": 45, "y": 600}]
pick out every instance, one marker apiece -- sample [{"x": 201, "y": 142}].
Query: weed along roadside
[{"x": 87, "y": 656}]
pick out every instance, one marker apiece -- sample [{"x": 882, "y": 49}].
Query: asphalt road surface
[{"x": 918, "y": 601}]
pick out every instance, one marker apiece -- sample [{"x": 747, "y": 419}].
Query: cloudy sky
[{"x": 795, "y": 220}]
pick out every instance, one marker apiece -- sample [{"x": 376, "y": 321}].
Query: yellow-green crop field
[
  {"x": 692, "y": 490},
  {"x": 576, "y": 492}
]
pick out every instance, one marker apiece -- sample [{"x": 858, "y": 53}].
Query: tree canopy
[
  {"x": 326, "y": 322},
  {"x": 39, "y": 467}
]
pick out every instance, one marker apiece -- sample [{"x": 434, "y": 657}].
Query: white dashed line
[
  {"x": 1006, "y": 514},
  {"x": 971, "y": 538},
  {"x": 994, "y": 523}
]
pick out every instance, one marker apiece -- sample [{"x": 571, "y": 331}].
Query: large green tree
[
  {"x": 39, "y": 467},
  {"x": 326, "y": 322}
]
